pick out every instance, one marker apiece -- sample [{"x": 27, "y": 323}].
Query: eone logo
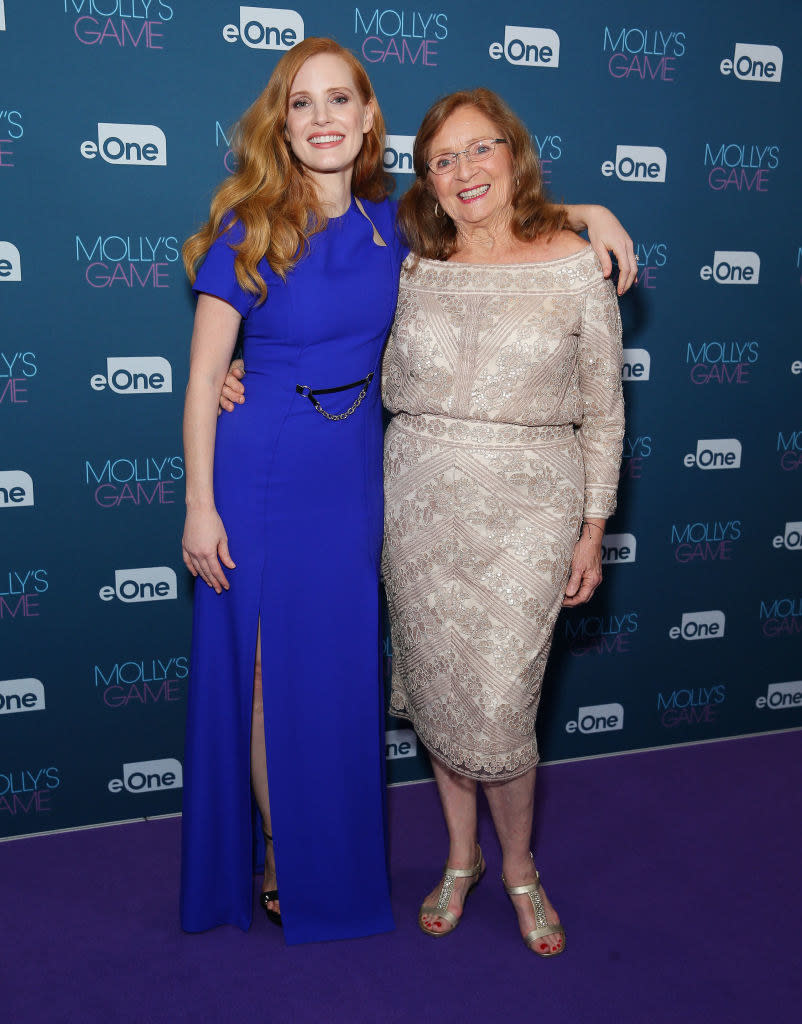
[
  {"x": 754, "y": 63},
  {"x": 21, "y": 695},
  {"x": 718, "y": 453},
  {"x": 733, "y": 268},
  {"x": 16, "y": 489},
  {"x": 149, "y": 776},
  {"x": 637, "y": 163},
  {"x": 10, "y": 264},
  {"x": 529, "y": 47},
  {"x": 792, "y": 539},
  {"x": 618, "y": 548},
  {"x": 135, "y": 375},
  {"x": 782, "y": 695},
  {"x": 636, "y": 365},
  {"x": 398, "y": 154},
  {"x": 156, "y": 583},
  {"x": 266, "y": 28},
  {"x": 700, "y": 626},
  {"x": 142, "y": 145},
  {"x": 400, "y": 743},
  {"x": 597, "y": 718}
]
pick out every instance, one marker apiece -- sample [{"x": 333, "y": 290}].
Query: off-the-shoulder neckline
[{"x": 506, "y": 266}]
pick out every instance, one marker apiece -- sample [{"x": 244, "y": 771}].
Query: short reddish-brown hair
[{"x": 433, "y": 235}]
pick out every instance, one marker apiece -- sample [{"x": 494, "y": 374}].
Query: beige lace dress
[{"x": 505, "y": 382}]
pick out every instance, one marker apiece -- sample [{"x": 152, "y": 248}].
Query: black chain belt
[{"x": 306, "y": 391}]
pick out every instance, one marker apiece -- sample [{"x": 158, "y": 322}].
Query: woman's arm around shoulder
[{"x": 606, "y": 234}]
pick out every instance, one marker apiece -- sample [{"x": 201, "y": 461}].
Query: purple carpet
[{"x": 676, "y": 874}]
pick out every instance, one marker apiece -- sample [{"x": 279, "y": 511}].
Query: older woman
[{"x": 501, "y": 464}]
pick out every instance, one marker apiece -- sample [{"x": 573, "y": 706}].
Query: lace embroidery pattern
[{"x": 506, "y": 384}]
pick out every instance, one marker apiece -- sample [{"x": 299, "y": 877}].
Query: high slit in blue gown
[{"x": 301, "y": 501}]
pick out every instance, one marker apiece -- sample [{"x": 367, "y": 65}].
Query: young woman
[{"x": 300, "y": 251}]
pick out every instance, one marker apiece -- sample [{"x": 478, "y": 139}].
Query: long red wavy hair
[{"x": 269, "y": 194}]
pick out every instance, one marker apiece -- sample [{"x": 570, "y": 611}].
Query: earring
[{"x": 436, "y": 209}]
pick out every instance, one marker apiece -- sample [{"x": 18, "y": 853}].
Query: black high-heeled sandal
[{"x": 268, "y": 896}]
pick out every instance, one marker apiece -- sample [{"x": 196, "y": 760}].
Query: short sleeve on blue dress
[{"x": 216, "y": 275}]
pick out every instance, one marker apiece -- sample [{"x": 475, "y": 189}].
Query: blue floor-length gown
[{"x": 301, "y": 500}]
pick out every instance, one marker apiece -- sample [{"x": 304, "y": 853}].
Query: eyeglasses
[{"x": 475, "y": 153}]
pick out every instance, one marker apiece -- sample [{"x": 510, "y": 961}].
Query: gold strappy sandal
[
  {"x": 440, "y": 909},
  {"x": 533, "y": 890}
]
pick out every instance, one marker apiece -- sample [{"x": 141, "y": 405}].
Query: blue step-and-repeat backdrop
[{"x": 115, "y": 121}]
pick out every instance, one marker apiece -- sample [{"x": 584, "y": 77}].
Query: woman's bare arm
[{"x": 214, "y": 335}]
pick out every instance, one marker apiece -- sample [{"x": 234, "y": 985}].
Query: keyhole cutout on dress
[{"x": 377, "y": 238}]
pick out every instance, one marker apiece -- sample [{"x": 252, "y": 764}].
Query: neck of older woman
[{"x": 489, "y": 242}]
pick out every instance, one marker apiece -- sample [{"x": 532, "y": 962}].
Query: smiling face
[
  {"x": 326, "y": 116},
  {"x": 473, "y": 194}
]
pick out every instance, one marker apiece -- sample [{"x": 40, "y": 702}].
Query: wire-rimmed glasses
[{"x": 442, "y": 163}]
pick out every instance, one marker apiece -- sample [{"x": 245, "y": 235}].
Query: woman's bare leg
[
  {"x": 512, "y": 806},
  {"x": 259, "y": 769},
  {"x": 458, "y": 798}
]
